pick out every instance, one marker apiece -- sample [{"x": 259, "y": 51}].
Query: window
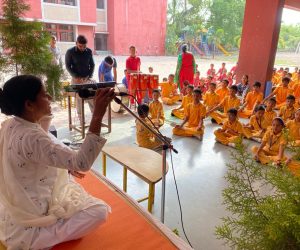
[
  {"x": 101, "y": 41},
  {"x": 63, "y": 32},
  {"x": 64, "y": 2},
  {"x": 100, "y": 4}
]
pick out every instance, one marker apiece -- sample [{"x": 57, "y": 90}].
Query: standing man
[
  {"x": 80, "y": 64},
  {"x": 107, "y": 71},
  {"x": 56, "y": 60},
  {"x": 133, "y": 65}
]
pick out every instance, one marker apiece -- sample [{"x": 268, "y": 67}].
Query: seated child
[
  {"x": 211, "y": 98},
  {"x": 281, "y": 92},
  {"x": 211, "y": 71},
  {"x": 196, "y": 79},
  {"x": 293, "y": 127},
  {"x": 270, "y": 113},
  {"x": 144, "y": 137},
  {"x": 229, "y": 77},
  {"x": 271, "y": 149},
  {"x": 287, "y": 112},
  {"x": 223, "y": 90},
  {"x": 252, "y": 99},
  {"x": 257, "y": 126},
  {"x": 156, "y": 110},
  {"x": 183, "y": 91},
  {"x": 169, "y": 91},
  {"x": 232, "y": 130},
  {"x": 194, "y": 116},
  {"x": 231, "y": 101},
  {"x": 187, "y": 99}
]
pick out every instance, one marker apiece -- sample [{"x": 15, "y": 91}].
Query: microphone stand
[{"x": 166, "y": 145}]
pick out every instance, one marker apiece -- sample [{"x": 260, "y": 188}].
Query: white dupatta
[{"x": 68, "y": 197}]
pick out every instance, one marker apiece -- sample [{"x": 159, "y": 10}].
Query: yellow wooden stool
[{"x": 143, "y": 162}]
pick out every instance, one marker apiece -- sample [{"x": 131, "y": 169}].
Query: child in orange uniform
[
  {"x": 223, "y": 90},
  {"x": 271, "y": 149},
  {"x": 169, "y": 91},
  {"x": 281, "y": 93},
  {"x": 187, "y": 99},
  {"x": 270, "y": 113},
  {"x": 211, "y": 99},
  {"x": 232, "y": 130},
  {"x": 287, "y": 112},
  {"x": 144, "y": 137},
  {"x": 257, "y": 125},
  {"x": 156, "y": 110},
  {"x": 253, "y": 98},
  {"x": 293, "y": 127},
  {"x": 227, "y": 103},
  {"x": 194, "y": 115}
]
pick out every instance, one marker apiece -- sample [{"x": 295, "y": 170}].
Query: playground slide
[
  {"x": 201, "y": 53},
  {"x": 226, "y": 53}
]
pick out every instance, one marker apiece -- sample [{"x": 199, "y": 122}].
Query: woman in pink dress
[{"x": 186, "y": 67}]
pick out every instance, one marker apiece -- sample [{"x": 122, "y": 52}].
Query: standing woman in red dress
[{"x": 186, "y": 67}]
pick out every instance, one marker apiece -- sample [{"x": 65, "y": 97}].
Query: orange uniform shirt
[
  {"x": 252, "y": 99},
  {"x": 195, "y": 112},
  {"x": 222, "y": 92},
  {"x": 236, "y": 126},
  {"x": 230, "y": 102},
  {"x": 281, "y": 93},
  {"x": 210, "y": 99},
  {"x": 168, "y": 89}
]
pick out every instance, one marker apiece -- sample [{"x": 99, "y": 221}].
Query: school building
[{"x": 109, "y": 25}]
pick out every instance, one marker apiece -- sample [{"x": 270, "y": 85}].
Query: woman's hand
[{"x": 102, "y": 98}]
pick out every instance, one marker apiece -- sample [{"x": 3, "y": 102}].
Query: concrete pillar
[{"x": 259, "y": 41}]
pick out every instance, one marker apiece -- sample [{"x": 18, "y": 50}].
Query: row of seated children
[
  {"x": 281, "y": 73},
  {"x": 194, "y": 112}
]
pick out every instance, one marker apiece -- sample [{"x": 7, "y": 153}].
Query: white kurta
[{"x": 37, "y": 197}]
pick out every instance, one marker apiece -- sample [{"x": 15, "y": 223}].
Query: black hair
[
  {"x": 280, "y": 120},
  {"x": 190, "y": 86},
  {"x": 17, "y": 91},
  {"x": 156, "y": 91},
  {"x": 171, "y": 75},
  {"x": 257, "y": 84},
  {"x": 186, "y": 83},
  {"x": 286, "y": 79},
  {"x": 143, "y": 109},
  {"x": 291, "y": 97},
  {"x": 132, "y": 47},
  {"x": 232, "y": 111},
  {"x": 184, "y": 48},
  {"x": 259, "y": 108},
  {"x": 81, "y": 39},
  {"x": 197, "y": 91},
  {"x": 226, "y": 81},
  {"x": 109, "y": 60},
  {"x": 234, "y": 87},
  {"x": 213, "y": 83},
  {"x": 273, "y": 99}
]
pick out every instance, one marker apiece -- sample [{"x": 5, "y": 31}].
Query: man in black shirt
[
  {"x": 80, "y": 64},
  {"x": 79, "y": 61}
]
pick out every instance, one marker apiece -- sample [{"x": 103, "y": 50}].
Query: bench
[{"x": 143, "y": 162}]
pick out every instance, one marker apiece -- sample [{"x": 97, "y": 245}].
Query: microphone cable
[{"x": 174, "y": 177}]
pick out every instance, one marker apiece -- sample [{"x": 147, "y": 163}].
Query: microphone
[{"x": 87, "y": 93}]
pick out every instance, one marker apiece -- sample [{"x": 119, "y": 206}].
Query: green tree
[
  {"x": 264, "y": 203},
  {"x": 184, "y": 18},
  {"x": 26, "y": 44},
  {"x": 289, "y": 36},
  {"x": 227, "y": 15}
]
